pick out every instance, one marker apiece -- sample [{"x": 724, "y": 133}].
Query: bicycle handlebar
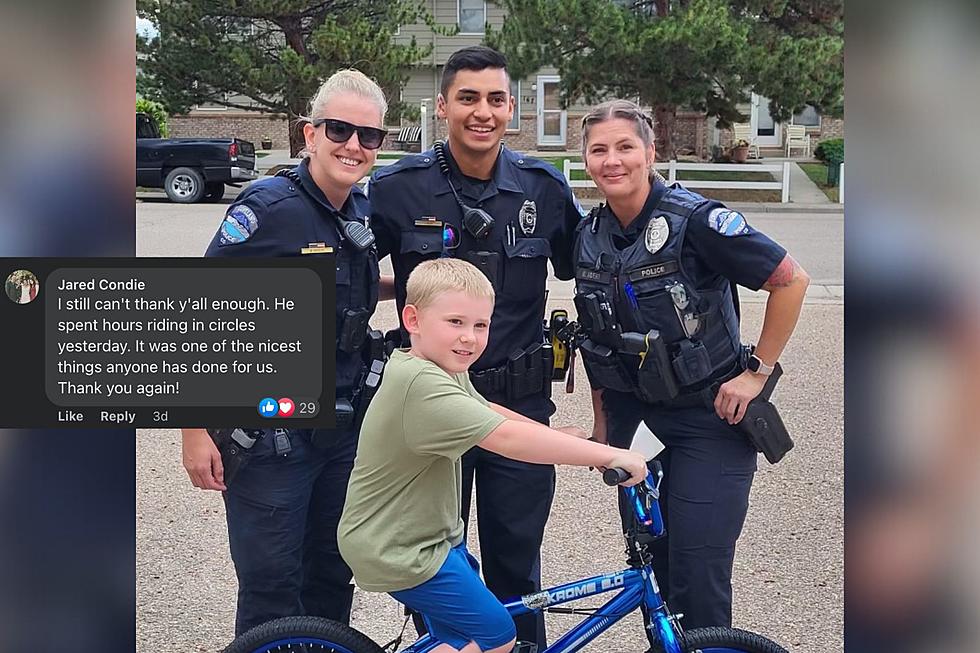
[{"x": 614, "y": 476}]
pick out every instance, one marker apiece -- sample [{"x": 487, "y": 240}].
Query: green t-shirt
[{"x": 402, "y": 513}]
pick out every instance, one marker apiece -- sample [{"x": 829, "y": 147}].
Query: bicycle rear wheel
[
  {"x": 726, "y": 640},
  {"x": 302, "y": 635}
]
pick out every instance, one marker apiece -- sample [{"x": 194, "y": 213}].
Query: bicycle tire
[
  {"x": 303, "y": 635},
  {"x": 726, "y": 640}
]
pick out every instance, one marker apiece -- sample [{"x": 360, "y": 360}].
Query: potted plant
[
  {"x": 266, "y": 143},
  {"x": 740, "y": 151}
]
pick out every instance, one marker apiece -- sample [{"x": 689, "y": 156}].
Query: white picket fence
[{"x": 670, "y": 170}]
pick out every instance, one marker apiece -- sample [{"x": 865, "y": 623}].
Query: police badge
[
  {"x": 656, "y": 234},
  {"x": 528, "y": 217}
]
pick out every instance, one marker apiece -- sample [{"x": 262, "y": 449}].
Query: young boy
[{"x": 401, "y": 530}]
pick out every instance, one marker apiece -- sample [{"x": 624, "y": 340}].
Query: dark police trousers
[
  {"x": 513, "y": 502},
  {"x": 708, "y": 471},
  {"x": 282, "y": 528}
]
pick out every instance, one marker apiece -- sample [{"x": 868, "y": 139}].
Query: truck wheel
[
  {"x": 213, "y": 192},
  {"x": 184, "y": 185}
]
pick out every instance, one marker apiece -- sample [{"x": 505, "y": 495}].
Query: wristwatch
[{"x": 756, "y": 365}]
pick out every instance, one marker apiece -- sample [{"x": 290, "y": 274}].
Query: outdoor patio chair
[
  {"x": 409, "y": 139},
  {"x": 796, "y": 137}
]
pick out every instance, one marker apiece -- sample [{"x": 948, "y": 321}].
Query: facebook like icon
[{"x": 268, "y": 407}]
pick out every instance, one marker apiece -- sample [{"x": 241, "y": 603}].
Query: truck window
[{"x": 145, "y": 128}]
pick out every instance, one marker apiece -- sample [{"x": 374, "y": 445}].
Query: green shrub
[
  {"x": 155, "y": 111},
  {"x": 831, "y": 151}
]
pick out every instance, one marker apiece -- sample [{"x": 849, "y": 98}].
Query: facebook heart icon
[{"x": 286, "y": 407}]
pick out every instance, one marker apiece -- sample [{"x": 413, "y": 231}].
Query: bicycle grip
[{"x": 615, "y": 476}]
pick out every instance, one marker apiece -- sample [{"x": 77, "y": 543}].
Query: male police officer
[{"x": 474, "y": 199}]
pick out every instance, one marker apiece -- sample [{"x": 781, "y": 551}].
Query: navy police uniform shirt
[
  {"x": 535, "y": 216},
  {"x": 275, "y": 217},
  {"x": 718, "y": 241}
]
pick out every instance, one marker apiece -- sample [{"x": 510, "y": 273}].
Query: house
[{"x": 539, "y": 123}]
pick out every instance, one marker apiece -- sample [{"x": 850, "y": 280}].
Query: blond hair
[
  {"x": 352, "y": 81},
  {"x": 349, "y": 80},
  {"x": 431, "y": 278}
]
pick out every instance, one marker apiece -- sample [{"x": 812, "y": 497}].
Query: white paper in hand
[{"x": 645, "y": 442}]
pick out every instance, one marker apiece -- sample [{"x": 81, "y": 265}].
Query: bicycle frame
[{"x": 637, "y": 588}]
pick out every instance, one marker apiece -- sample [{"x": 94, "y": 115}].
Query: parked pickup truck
[{"x": 190, "y": 169}]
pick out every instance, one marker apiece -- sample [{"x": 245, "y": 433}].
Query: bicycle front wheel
[
  {"x": 726, "y": 640},
  {"x": 302, "y": 635}
]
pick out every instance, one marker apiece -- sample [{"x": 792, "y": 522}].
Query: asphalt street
[{"x": 789, "y": 564}]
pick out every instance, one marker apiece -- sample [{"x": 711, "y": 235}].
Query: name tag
[
  {"x": 428, "y": 222},
  {"x": 316, "y": 248},
  {"x": 653, "y": 271},
  {"x": 596, "y": 276}
]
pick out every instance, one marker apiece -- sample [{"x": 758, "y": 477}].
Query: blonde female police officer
[
  {"x": 666, "y": 259},
  {"x": 283, "y": 510}
]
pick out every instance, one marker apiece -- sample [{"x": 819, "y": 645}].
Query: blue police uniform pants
[
  {"x": 282, "y": 516},
  {"x": 513, "y": 502},
  {"x": 708, "y": 472}
]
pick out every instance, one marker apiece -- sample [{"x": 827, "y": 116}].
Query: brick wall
[
  {"x": 691, "y": 134},
  {"x": 228, "y": 124},
  {"x": 830, "y": 128}
]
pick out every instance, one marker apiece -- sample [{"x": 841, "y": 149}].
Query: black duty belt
[{"x": 526, "y": 373}]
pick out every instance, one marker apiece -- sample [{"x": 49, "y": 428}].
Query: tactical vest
[{"x": 627, "y": 298}]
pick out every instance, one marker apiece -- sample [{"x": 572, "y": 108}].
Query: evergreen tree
[
  {"x": 707, "y": 55},
  {"x": 274, "y": 52}
]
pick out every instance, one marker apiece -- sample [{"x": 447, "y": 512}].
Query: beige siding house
[{"x": 539, "y": 122}]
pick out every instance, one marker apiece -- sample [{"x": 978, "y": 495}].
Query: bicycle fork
[{"x": 661, "y": 626}]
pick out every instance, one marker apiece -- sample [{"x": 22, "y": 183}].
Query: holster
[
  {"x": 234, "y": 446},
  {"x": 764, "y": 428},
  {"x": 655, "y": 379},
  {"x": 762, "y": 424}
]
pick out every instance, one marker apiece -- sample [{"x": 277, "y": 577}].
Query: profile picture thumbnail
[{"x": 22, "y": 286}]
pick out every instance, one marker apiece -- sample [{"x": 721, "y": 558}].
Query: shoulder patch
[
  {"x": 239, "y": 224},
  {"x": 424, "y": 160},
  {"x": 728, "y": 222}
]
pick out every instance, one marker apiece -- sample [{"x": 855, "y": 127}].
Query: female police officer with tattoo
[
  {"x": 284, "y": 504},
  {"x": 655, "y": 275}
]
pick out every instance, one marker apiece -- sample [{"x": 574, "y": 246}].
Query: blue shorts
[{"x": 457, "y": 606}]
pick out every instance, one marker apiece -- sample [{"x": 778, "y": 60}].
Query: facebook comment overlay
[{"x": 185, "y": 342}]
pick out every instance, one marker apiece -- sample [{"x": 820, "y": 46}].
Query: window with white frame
[
  {"x": 472, "y": 16},
  {"x": 809, "y": 117},
  {"x": 515, "y": 91}
]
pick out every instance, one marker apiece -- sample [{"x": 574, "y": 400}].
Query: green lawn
[{"x": 817, "y": 172}]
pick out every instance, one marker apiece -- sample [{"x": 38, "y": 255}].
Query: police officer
[
  {"x": 655, "y": 275},
  {"x": 284, "y": 505},
  {"x": 508, "y": 214}
]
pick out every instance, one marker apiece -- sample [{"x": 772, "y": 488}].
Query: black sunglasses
[{"x": 340, "y": 131}]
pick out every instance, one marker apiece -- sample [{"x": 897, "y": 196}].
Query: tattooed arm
[{"x": 787, "y": 286}]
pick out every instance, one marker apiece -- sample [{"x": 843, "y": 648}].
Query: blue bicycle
[{"x": 635, "y": 588}]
